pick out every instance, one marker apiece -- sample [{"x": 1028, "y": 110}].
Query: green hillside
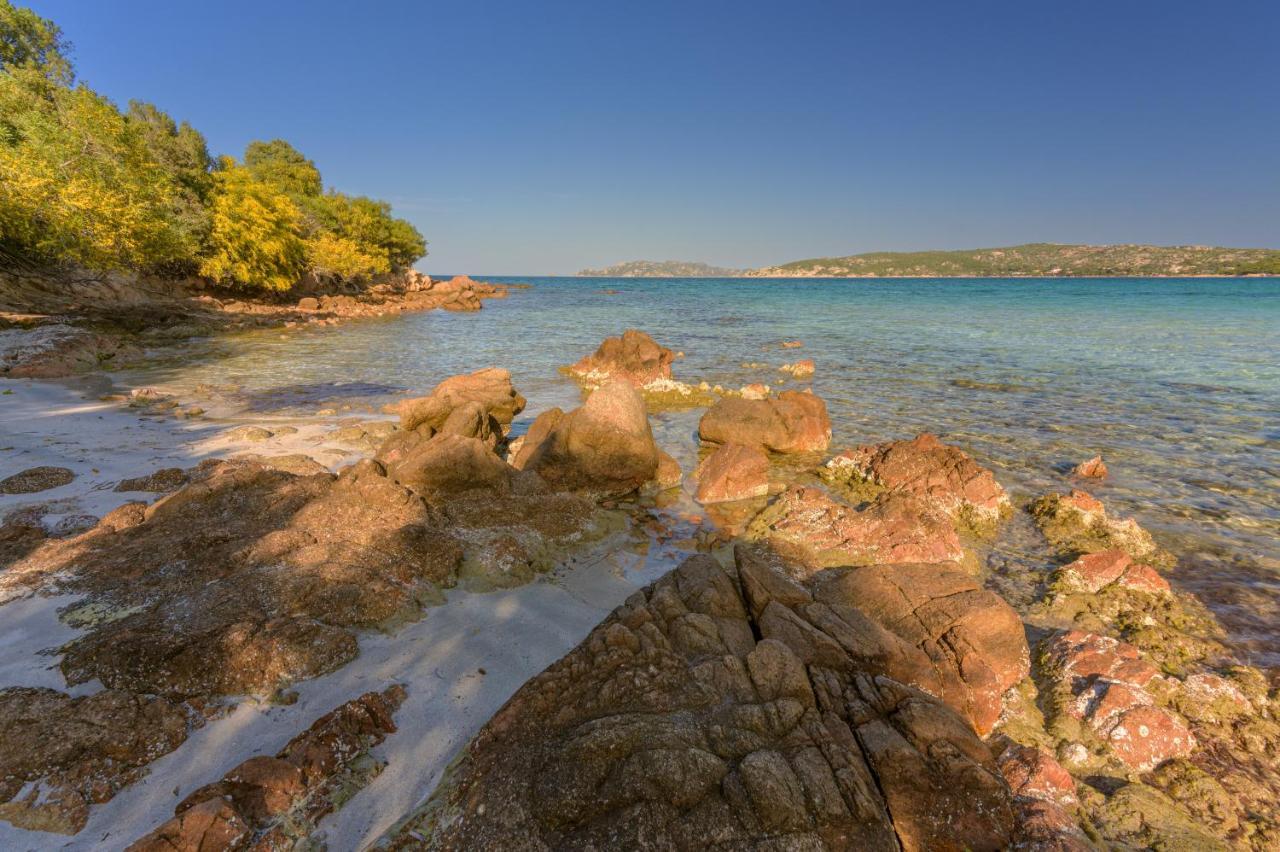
[
  {"x": 662, "y": 269},
  {"x": 1040, "y": 259}
]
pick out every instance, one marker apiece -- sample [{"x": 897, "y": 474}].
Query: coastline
[
  {"x": 57, "y": 329},
  {"x": 471, "y": 648},
  {"x": 938, "y": 277}
]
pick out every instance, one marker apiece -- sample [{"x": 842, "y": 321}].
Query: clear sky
[{"x": 537, "y": 136}]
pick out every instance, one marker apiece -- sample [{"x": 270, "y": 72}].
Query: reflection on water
[
  {"x": 312, "y": 394},
  {"x": 1176, "y": 382}
]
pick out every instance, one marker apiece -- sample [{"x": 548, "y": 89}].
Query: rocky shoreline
[
  {"x": 55, "y": 329},
  {"x": 819, "y": 659}
]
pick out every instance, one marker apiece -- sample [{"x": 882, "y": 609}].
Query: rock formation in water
[
  {"x": 791, "y": 422},
  {"x": 935, "y": 473},
  {"x": 843, "y": 676},
  {"x": 1078, "y": 523},
  {"x": 605, "y": 446},
  {"x": 733, "y": 472},
  {"x": 633, "y": 357}
]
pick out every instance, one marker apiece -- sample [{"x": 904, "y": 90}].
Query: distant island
[
  {"x": 663, "y": 269},
  {"x": 1031, "y": 260}
]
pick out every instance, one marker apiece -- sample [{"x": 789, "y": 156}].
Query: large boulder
[
  {"x": 604, "y": 446},
  {"x": 967, "y": 646},
  {"x": 450, "y": 464},
  {"x": 677, "y": 725},
  {"x": 792, "y": 422},
  {"x": 813, "y": 527},
  {"x": 733, "y": 472},
  {"x": 633, "y": 357},
  {"x": 489, "y": 388},
  {"x": 936, "y": 473}
]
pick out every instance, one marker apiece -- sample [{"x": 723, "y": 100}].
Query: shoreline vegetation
[
  {"x": 90, "y": 188},
  {"x": 1033, "y": 260},
  {"x": 119, "y": 231}
]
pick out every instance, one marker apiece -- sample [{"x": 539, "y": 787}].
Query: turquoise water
[{"x": 1175, "y": 381}]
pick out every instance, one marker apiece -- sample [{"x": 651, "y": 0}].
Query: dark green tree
[
  {"x": 280, "y": 165},
  {"x": 30, "y": 41}
]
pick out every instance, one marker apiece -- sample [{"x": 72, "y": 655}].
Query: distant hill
[
  {"x": 662, "y": 269},
  {"x": 1038, "y": 259}
]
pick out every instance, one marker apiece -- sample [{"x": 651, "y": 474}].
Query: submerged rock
[
  {"x": 811, "y": 526},
  {"x": 684, "y": 721},
  {"x": 938, "y": 474},
  {"x": 668, "y": 474},
  {"x": 800, "y": 369},
  {"x": 253, "y": 434},
  {"x": 792, "y": 422},
  {"x": 1078, "y": 523},
  {"x": 1094, "y": 468}
]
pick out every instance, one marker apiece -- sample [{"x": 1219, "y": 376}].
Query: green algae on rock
[
  {"x": 1077, "y": 523},
  {"x": 939, "y": 474}
]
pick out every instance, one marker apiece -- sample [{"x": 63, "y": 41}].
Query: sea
[{"x": 1175, "y": 382}]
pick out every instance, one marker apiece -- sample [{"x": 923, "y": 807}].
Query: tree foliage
[
  {"x": 79, "y": 183},
  {"x": 282, "y": 166},
  {"x": 30, "y": 41},
  {"x": 332, "y": 256},
  {"x": 83, "y": 183},
  {"x": 255, "y": 239}
]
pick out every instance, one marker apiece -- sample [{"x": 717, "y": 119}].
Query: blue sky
[{"x": 541, "y": 136}]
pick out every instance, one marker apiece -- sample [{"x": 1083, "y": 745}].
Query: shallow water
[{"x": 1175, "y": 381}]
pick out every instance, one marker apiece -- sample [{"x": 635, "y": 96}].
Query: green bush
[{"x": 83, "y": 183}]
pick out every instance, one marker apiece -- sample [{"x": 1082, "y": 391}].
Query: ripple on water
[{"x": 1176, "y": 383}]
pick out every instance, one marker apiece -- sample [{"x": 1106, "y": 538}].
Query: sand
[{"x": 511, "y": 635}]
